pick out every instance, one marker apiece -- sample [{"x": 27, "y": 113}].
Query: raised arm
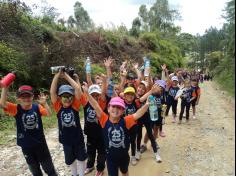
[
  {"x": 3, "y": 99},
  {"x": 53, "y": 89},
  {"x": 92, "y": 101},
  {"x": 142, "y": 110},
  {"x": 137, "y": 71},
  {"x": 155, "y": 88},
  {"x": 104, "y": 86},
  {"x": 89, "y": 79},
  {"x": 108, "y": 63},
  {"x": 43, "y": 101}
]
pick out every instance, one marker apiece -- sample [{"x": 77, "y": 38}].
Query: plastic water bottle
[
  {"x": 153, "y": 109},
  {"x": 88, "y": 65},
  {"x": 110, "y": 88},
  {"x": 146, "y": 66},
  {"x": 7, "y": 80}
]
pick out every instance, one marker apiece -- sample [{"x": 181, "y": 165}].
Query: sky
[{"x": 197, "y": 15}]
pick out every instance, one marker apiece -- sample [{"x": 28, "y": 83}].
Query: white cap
[
  {"x": 174, "y": 78},
  {"x": 94, "y": 89},
  {"x": 145, "y": 83}
]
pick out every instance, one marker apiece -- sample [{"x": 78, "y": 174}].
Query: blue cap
[{"x": 66, "y": 89}]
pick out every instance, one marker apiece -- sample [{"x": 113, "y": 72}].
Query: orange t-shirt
[
  {"x": 129, "y": 120},
  {"x": 11, "y": 109},
  {"x": 75, "y": 104},
  {"x": 102, "y": 103}
]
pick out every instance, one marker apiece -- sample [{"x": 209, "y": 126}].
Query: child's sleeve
[
  {"x": 129, "y": 121},
  {"x": 199, "y": 91},
  {"x": 103, "y": 119},
  {"x": 83, "y": 100},
  {"x": 76, "y": 104},
  {"x": 10, "y": 109},
  {"x": 102, "y": 104},
  {"x": 57, "y": 105},
  {"x": 43, "y": 110}
]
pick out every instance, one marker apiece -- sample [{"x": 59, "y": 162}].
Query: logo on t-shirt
[
  {"x": 130, "y": 110},
  {"x": 68, "y": 119},
  {"x": 91, "y": 115},
  {"x": 30, "y": 121},
  {"x": 116, "y": 137}
]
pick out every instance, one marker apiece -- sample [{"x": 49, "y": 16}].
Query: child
[
  {"x": 67, "y": 104},
  {"x": 187, "y": 95},
  {"x": 145, "y": 120},
  {"x": 93, "y": 130},
  {"x": 197, "y": 91},
  {"x": 171, "y": 98},
  {"x": 131, "y": 106},
  {"x": 115, "y": 130},
  {"x": 30, "y": 135}
]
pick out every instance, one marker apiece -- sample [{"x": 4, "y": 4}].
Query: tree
[
  {"x": 83, "y": 21},
  {"x": 71, "y": 22},
  {"x": 136, "y": 25}
]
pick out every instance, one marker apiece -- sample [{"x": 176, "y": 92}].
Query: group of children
[{"x": 113, "y": 118}]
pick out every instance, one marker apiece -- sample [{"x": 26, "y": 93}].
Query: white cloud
[{"x": 197, "y": 15}]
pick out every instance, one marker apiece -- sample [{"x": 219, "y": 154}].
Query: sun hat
[
  {"x": 117, "y": 101},
  {"x": 129, "y": 90},
  {"x": 94, "y": 89},
  {"x": 66, "y": 89},
  {"x": 161, "y": 83}
]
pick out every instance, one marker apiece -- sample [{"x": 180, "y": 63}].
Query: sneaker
[
  {"x": 194, "y": 117},
  {"x": 88, "y": 170},
  {"x": 99, "y": 173},
  {"x": 133, "y": 161},
  {"x": 162, "y": 134},
  {"x": 143, "y": 148},
  {"x": 158, "y": 157},
  {"x": 138, "y": 156},
  {"x": 174, "y": 120}
]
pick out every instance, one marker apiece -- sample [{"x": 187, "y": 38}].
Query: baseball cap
[
  {"x": 161, "y": 83},
  {"x": 130, "y": 76},
  {"x": 129, "y": 90},
  {"x": 144, "y": 83},
  {"x": 174, "y": 78},
  {"x": 94, "y": 89},
  {"x": 117, "y": 101},
  {"x": 24, "y": 90},
  {"x": 66, "y": 89}
]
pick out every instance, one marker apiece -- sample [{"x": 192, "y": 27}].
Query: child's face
[
  {"x": 96, "y": 96},
  {"x": 26, "y": 99},
  {"x": 157, "y": 91},
  {"x": 175, "y": 83},
  {"x": 98, "y": 81},
  {"x": 117, "y": 89},
  {"x": 129, "y": 97},
  {"x": 187, "y": 84},
  {"x": 141, "y": 90},
  {"x": 115, "y": 111},
  {"x": 67, "y": 99},
  {"x": 194, "y": 83}
]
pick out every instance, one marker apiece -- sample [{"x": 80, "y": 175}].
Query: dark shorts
[
  {"x": 114, "y": 164},
  {"x": 193, "y": 103},
  {"x": 73, "y": 152},
  {"x": 157, "y": 123}
]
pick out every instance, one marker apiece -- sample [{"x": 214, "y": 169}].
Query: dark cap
[{"x": 24, "y": 90}]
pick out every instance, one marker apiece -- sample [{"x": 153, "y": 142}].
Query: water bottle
[
  {"x": 146, "y": 66},
  {"x": 110, "y": 88},
  {"x": 88, "y": 65},
  {"x": 7, "y": 80},
  {"x": 153, "y": 111}
]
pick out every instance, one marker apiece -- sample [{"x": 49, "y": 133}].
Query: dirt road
[{"x": 204, "y": 147}]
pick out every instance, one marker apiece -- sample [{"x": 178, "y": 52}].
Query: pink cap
[{"x": 117, "y": 101}]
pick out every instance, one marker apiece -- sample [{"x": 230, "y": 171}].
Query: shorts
[
  {"x": 116, "y": 163},
  {"x": 193, "y": 103},
  {"x": 73, "y": 152}
]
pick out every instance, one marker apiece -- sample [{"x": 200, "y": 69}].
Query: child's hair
[{"x": 187, "y": 81}]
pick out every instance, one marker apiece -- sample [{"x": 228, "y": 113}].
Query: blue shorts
[
  {"x": 119, "y": 162},
  {"x": 73, "y": 152}
]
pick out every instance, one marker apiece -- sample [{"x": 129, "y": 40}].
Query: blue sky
[{"x": 197, "y": 15}]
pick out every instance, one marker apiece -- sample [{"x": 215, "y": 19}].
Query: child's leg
[
  {"x": 182, "y": 110},
  {"x": 150, "y": 136},
  {"x": 187, "y": 111},
  {"x": 167, "y": 108},
  {"x": 174, "y": 108},
  {"x": 124, "y": 165},
  {"x": 91, "y": 151},
  {"x": 73, "y": 168},
  {"x": 101, "y": 157},
  {"x": 133, "y": 137},
  {"x": 112, "y": 167},
  {"x": 155, "y": 131},
  {"x": 139, "y": 136},
  {"x": 81, "y": 167}
]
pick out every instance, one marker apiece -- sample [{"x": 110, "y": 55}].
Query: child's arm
[
  {"x": 104, "y": 87},
  {"x": 137, "y": 71},
  {"x": 43, "y": 101},
  {"x": 92, "y": 101},
  {"x": 107, "y": 64},
  {"x": 141, "y": 111},
  {"x": 3, "y": 99},
  {"x": 89, "y": 79},
  {"x": 145, "y": 96},
  {"x": 53, "y": 89}
]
